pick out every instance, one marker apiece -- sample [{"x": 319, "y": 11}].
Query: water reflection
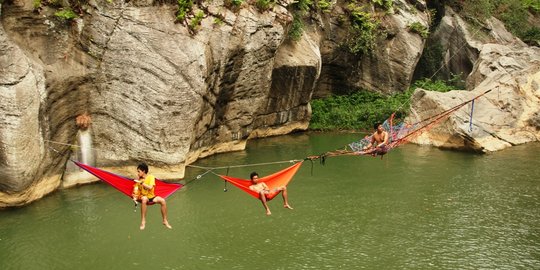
[{"x": 418, "y": 208}]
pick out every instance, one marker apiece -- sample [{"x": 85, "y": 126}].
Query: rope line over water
[{"x": 244, "y": 165}]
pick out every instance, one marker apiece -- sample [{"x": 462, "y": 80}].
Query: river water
[{"x": 418, "y": 208}]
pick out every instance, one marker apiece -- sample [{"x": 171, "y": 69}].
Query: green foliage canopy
[
  {"x": 66, "y": 14},
  {"x": 513, "y": 13},
  {"x": 361, "y": 109},
  {"x": 363, "y": 30}
]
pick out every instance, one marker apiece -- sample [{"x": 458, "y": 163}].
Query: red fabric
[
  {"x": 125, "y": 185},
  {"x": 278, "y": 179}
]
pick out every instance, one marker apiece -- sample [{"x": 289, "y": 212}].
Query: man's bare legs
[
  {"x": 283, "y": 190},
  {"x": 163, "y": 204},
  {"x": 144, "y": 201},
  {"x": 285, "y": 198},
  {"x": 144, "y": 206},
  {"x": 262, "y": 197}
]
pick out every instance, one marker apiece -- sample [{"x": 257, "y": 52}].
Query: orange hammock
[{"x": 278, "y": 179}]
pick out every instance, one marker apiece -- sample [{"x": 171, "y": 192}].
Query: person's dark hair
[
  {"x": 253, "y": 174},
  {"x": 143, "y": 167},
  {"x": 377, "y": 125}
]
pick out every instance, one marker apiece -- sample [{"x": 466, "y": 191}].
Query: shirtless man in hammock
[
  {"x": 379, "y": 139},
  {"x": 264, "y": 191}
]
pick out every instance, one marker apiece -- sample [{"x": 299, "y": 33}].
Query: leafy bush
[
  {"x": 513, "y": 13},
  {"x": 533, "y": 5},
  {"x": 324, "y": 5},
  {"x": 65, "y": 14},
  {"x": 302, "y": 5},
  {"x": 297, "y": 28},
  {"x": 300, "y": 9},
  {"x": 386, "y": 4},
  {"x": 356, "y": 111},
  {"x": 264, "y": 5},
  {"x": 417, "y": 27},
  {"x": 361, "y": 109},
  {"x": 194, "y": 24},
  {"x": 531, "y": 36},
  {"x": 36, "y": 4},
  {"x": 234, "y": 3},
  {"x": 363, "y": 30},
  {"x": 218, "y": 21},
  {"x": 437, "y": 85},
  {"x": 184, "y": 7},
  {"x": 481, "y": 9}
]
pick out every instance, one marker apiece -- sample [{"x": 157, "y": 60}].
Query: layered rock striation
[
  {"x": 156, "y": 90},
  {"x": 492, "y": 60}
]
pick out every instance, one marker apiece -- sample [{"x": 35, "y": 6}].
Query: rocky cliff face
[
  {"x": 492, "y": 59},
  {"x": 155, "y": 90},
  {"x": 168, "y": 93},
  {"x": 389, "y": 68}
]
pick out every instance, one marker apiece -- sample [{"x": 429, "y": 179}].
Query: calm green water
[{"x": 418, "y": 208}]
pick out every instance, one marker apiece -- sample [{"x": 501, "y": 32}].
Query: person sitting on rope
[
  {"x": 264, "y": 191},
  {"x": 379, "y": 139},
  {"x": 147, "y": 187}
]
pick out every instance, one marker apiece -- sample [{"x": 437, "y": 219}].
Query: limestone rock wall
[
  {"x": 160, "y": 91},
  {"x": 496, "y": 61},
  {"x": 22, "y": 97},
  {"x": 389, "y": 68},
  {"x": 155, "y": 92}
]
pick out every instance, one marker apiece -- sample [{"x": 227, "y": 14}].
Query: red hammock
[
  {"x": 278, "y": 179},
  {"x": 125, "y": 185}
]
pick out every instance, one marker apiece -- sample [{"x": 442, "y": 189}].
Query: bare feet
[
  {"x": 166, "y": 223},
  {"x": 268, "y": 212},
  {"x": 287, "y": 206},
  {"x": 142, "y": 226}
]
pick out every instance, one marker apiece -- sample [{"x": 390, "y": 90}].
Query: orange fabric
[{"x": 278, "y": 179}]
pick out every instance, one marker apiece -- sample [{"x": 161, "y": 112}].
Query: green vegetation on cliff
[
  {"x": 361, "y": 109},
  {"x": 264, "y": 5},
  {"x": 517, "y": 15},
  {"x": 184, "y": 6},
  {"x": 417, "y": 27},
  {"x": 386, "y": 4},
  {"x": 363, "y": 30},
  {"x": 301, "y": 9},
  {"x": 66, "y": 14},
  {"x": 358, "y": 111}
]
